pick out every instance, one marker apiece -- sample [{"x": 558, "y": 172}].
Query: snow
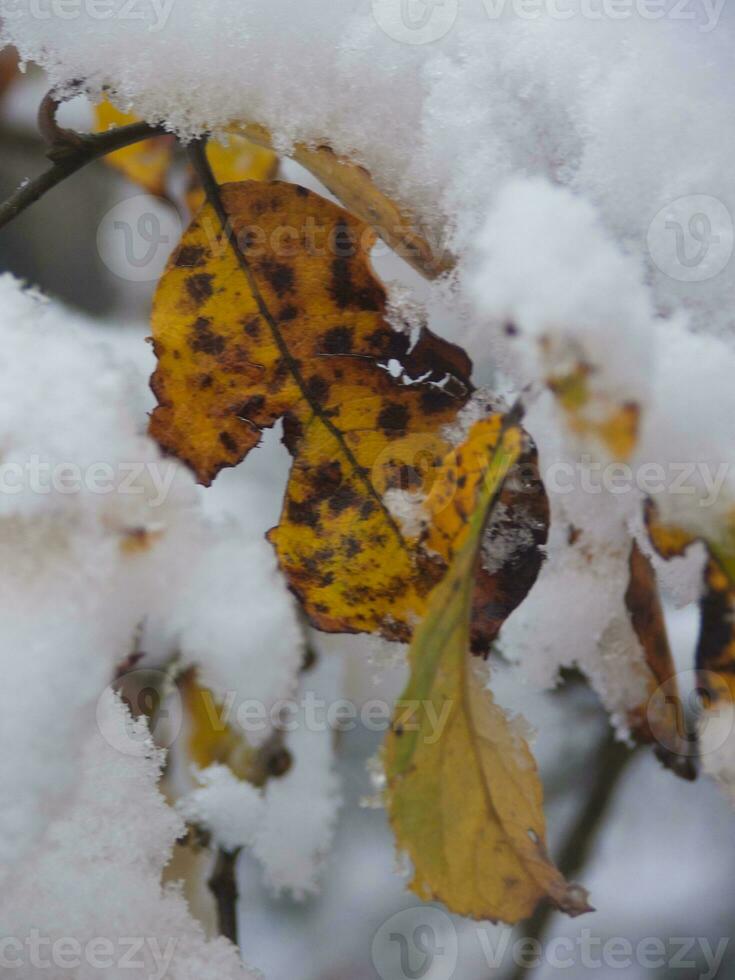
[
  {"x": 106, "y": 549},
  {"x": 230, "y": 808},
  {"x": 108, "y": 851},
  {"x": 579, "y": 170}
]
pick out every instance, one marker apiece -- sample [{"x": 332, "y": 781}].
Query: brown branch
[
  {"x": 69, "y": 151},
  {"x": 223, "y": 886}
]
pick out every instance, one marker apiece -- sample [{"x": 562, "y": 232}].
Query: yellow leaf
[
  {"x": 463, "y": 793},
  {"x": 239, "y": 160},
  {"x": 590, "y": 414},
  {"x": 145, "y": 163},
  {"x": 281, "y": 317},
  {"x": 715, "y": 655},
  {"x": 210, "y": 739},
  {"x": 353, "y": 186}
]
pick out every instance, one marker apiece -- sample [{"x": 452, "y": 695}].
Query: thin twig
[
  {"x": 609, "y": 764},
  {"x": 223, "y": 886},
  {"x": 69, "y": 151}
]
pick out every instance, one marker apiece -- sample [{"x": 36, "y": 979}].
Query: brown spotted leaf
[{"x": 281, "y": 317}]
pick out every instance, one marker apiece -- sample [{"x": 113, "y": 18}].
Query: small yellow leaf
[
  {"x": 463, "y": 794},
  {"x": 146, "y": 163},
  {"x": 590, "y": 414},
  {"x": 210, "y": 739},
  {"x": 240, "y": 159}
]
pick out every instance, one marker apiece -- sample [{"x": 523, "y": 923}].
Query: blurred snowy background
[{"x": 656, "y": 853}]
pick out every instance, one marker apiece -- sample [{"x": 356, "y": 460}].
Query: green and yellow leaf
[{"x": 463, "y": 795}]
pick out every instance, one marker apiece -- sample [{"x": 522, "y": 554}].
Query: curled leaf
[
  {"x": 272, "y": 311},
  {"x": 353, "y": 186},
  {"x": 463, "y": 793},
  {"x": 658, "y": 719}
]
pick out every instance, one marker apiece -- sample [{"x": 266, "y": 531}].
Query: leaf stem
[{"x": 223, "y": 886}]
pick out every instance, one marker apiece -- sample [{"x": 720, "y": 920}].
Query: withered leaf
[
  {"x": 279, "y": 316},
  {"x": 463, "y": 793},
  {"x": 657, "y": 721},
  {"x": 715, "y": 656}
]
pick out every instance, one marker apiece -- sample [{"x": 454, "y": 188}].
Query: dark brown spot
[
  {"x": 199, "y": 286},
  {"x": 203, "y": 340},
  {"x": 317, "y": 389},
  {"x": 228, "y": 442},
  {"x": 338, "y": 340},
  {"x": 189, "y": 257},
  {"x": 435, "y": 400},
  {"x": 288, "y": 312},
  {"x": 205, "y": 380},
  {"x": 346, "y": 496},
  {"x": 252, "y": 327},
  {"x": 302, "y": 512},
  {"x": 393, "y": 418},
  {"x": 250, "y": 407},
  {"x": 279, "y": 275}
]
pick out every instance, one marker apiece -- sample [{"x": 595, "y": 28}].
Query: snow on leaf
[
  {"x": 354, "y": 187},
  {"x": 463, "y": 793}
]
